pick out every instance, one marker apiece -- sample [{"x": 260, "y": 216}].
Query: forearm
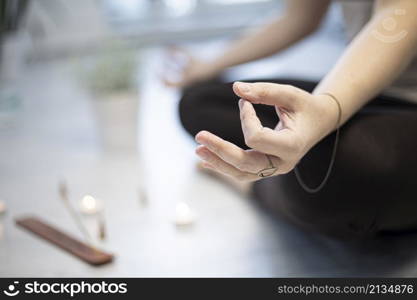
[
  {"x": 371, "y": 63},
  {"x": 300, "y": 19},
  {"x": 274, "y": 37}
]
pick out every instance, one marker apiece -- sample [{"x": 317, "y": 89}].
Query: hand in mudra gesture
[
  {"x": 304, "y": 120},
  {"x": 191, "y": 69}
]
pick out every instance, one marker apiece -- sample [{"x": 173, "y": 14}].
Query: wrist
[{"x": 330, "y": 113}]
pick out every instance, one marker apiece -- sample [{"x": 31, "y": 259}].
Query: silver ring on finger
[{"x": 268, "y": 171}]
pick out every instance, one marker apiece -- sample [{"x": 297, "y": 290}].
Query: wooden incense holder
[{"x": 77, "y": 248}]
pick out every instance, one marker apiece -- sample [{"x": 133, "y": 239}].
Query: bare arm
[
  {"x": 301, "y": 18},
  {"x": 370, "y": 63},
  {"x": 375, "y": 57}
]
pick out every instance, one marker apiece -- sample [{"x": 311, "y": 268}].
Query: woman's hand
[
  {"x": 191, "y": 69},
  {"x": 304, "y": 120}
]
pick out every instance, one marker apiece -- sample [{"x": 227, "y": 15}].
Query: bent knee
[
  {"x": 203, "y": 105},
  {"x": 193, "y": 109}
]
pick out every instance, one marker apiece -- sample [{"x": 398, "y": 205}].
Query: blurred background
[{"x": 82, "y": 105}]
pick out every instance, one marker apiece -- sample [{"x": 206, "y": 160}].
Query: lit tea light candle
[
  {"x": 90, "y": 205},
  {"x": 183, "y": 214}
]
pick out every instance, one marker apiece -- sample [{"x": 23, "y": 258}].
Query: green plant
[{"x": 112, "y": 71}]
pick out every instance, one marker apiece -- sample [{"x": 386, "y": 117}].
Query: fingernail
[
  {"x": 198, "y": 136},
  {"x": 243, "y": 87}
]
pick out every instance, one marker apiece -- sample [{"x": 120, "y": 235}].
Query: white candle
[
  {"x": 183, "y": 214},
  {"x": 90, "y": 205}
]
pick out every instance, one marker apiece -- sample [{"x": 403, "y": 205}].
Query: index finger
[
  {"x": 281, "y": 95},
  {"x": 261, "y": 138}
]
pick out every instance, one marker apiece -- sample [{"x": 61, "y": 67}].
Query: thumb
[{"x": 281, "y": 95}]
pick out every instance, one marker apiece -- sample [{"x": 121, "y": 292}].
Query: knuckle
[
  {"x": 294, "y": 94},
  {"x": 263, "y": 91},
  {"x": 254, "y": 139},
  {"x": 210, "y": 159},
  {"x": 217, "y": 148},
  {"x": 293, "y": 90}
]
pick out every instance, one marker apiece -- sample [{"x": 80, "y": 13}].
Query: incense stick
[{"x": 63, "y": 192}]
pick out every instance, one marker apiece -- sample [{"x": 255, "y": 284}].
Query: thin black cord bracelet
[{"x": 332, "y": 159}]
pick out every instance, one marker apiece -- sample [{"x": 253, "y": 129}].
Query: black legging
[{"x": 372, "y": 188}]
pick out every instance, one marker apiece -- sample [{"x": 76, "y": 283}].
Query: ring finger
[{"x": 245, "y": 160}]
